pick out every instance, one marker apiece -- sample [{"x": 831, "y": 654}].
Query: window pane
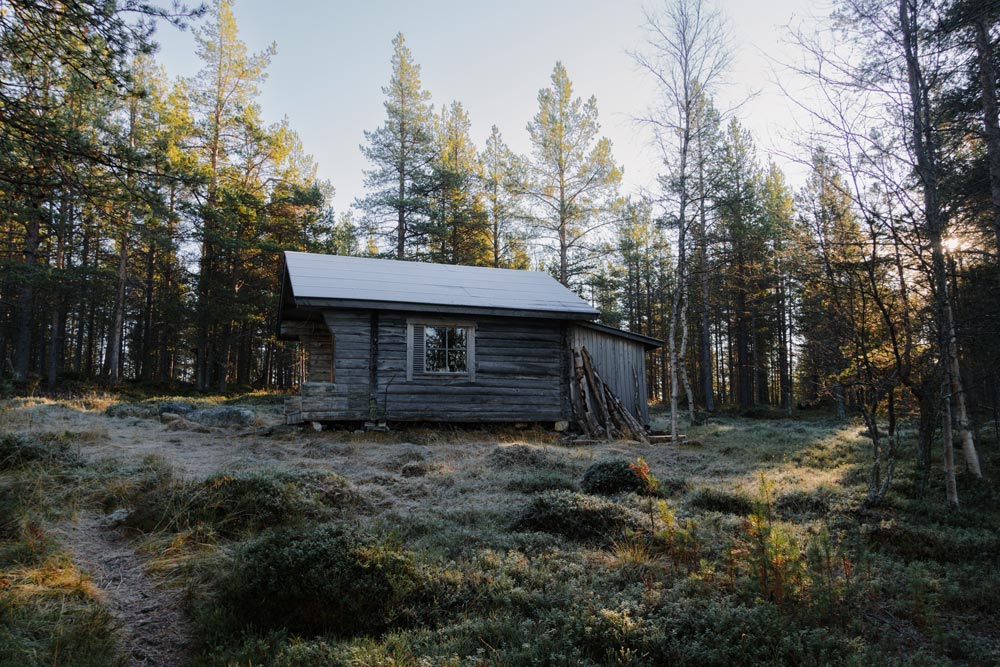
[
  {"x": 446, "y": 349},
  {"x": 457, "y": 361},
  {"x": 436, "y": 337},
  {"x": 436, "y": 362}
]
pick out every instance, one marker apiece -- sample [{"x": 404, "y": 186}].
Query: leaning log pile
[{"x": 599, "y": 412}]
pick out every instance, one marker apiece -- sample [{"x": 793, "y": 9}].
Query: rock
[
  {"x": 167, "y": 417},
  {"x": 222, "y": 416},
  {"x": 561, "y": 426},
  {"x": 177, "y": 407},
  {"x": 115, "y": 519},
  {"x": 185, "y": 425}
]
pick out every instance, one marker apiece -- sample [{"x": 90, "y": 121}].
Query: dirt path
[{"x": 153, "y": 628}]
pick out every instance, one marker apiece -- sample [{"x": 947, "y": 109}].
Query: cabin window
[{"x": 440, "y": 349}]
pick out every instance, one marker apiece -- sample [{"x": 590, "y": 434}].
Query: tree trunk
[
  {"x": 112, "y": 359},
  {"x": 924, "y": 150},
  {"x": 685, "y": 380},
  {"x": 991, "y": 122},
  {"x": 24, "y": 310}
]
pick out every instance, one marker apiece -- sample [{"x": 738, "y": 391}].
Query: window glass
[{"x": 446, "y": 349}]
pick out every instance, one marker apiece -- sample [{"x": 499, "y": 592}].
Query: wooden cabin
[{"x": 394, "y": 341}]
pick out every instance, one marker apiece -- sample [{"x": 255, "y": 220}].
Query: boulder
[
  {"x": 115, "y": 519},
  {"x": 176, "y": 407},
  {"x": 222, "y": 416}
]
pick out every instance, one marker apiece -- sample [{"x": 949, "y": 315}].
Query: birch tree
[{"x": 685, "y": 55}]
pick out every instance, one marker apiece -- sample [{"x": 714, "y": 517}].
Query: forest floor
[{"x": 121, "y": 539}]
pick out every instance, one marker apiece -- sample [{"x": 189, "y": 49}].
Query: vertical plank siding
[{"x": 621, "y": 363}]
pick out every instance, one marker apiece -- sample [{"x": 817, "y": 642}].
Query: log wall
[{"x": 520, "y": 375}]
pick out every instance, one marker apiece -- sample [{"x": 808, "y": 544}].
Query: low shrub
[
  {"x": 522, "y": 456},
  {"x": 308, "y": 654},
  {"x": 576, "y": 516},
  {"x": 716, "y": 500},
  {"x": 612, "y": 476},
  {"x": 50, "y": 615},
  {"x": 17, "y": 451},
  {"x": 815, "y": 502},
  {"x": 672, "y": 486},
  {"x": 542, "y": 480},
  {"x": 933, "y": 542},
  {"x": 125, "y": 484},
  {"x": 327, "y": 579},
  {"x": 241, "y": 502}
]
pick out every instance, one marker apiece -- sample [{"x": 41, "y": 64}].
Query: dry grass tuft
[{"x": 56, "y": 576}]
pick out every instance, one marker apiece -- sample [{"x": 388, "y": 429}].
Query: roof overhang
[
  {"x": 648, "y": 342},
  {"x": 407, "y": 306}
]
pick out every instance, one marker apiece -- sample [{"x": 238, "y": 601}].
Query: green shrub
[
  {"x": 542, "y": 480},
  {"x": 934, "y": 542},
  {"x": 612, "y": 476},
  {"x": 326, "y": 579},
  {"x": 127, "y": 483},
  {"x": 716, "y": 500},
  {"x": 803, "y": 502},
  {"x": 22, "y": 539},
  {"x": 50, "y": 615},
  {"x": 308, "y": 654},
  {"x": 241, "y": 502},
  {"x": 17, "y": 451},
  {"x": 708, "y": 633},
  {"x": 523, "y": 456},
  {"x": 576, "y": 516},
  {"x": 671, "y": 486}
]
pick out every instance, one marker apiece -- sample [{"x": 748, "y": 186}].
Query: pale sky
[{"x": 333, "y": 59}]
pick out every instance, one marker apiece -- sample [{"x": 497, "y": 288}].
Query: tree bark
[
  {"x": 991, "y": 122},
  {"x": 922, "y": 143},
  {"x": 24, "y": 310}
]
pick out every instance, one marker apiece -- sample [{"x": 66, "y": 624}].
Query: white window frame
[{"x": 470, "y": 337}]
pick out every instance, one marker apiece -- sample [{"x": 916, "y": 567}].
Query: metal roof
[
  {"x": 335, "y": 280},
  {"x": 648, "y": 342}
]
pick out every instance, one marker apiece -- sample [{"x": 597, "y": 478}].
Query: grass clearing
[{"x": 477, "y": 546}]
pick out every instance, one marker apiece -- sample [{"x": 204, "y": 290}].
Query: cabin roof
[
  {"x": 648, "y": 342},
  {"x": 339, "y": 281}
]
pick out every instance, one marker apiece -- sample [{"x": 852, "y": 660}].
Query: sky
[{"x": 333, "y": 58}]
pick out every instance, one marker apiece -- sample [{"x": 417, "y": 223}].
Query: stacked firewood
[{"x": 599, "y": 412}]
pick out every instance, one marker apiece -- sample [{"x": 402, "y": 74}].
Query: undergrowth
[{"x": 753, "y": 549}]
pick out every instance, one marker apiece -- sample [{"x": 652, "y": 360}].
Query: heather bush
[
  {"x": 17, "y": 451},
  {"x": 542, "y": 480},
  {"x": 576, "y": 516},
  {"x": 326, "y": 579},
  {"x": 716, "y": 500},
  {"x": 241, "y": 502},
  {"x": 612, "y": 476}
]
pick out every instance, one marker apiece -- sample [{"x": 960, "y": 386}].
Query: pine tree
[
  {"x": 501, "y": 176},
  {"x": 572, "y": 181},
  {"x": 222, "y": 95},
  {"x": 402, "y": 154},
  {"x": 457, "y": 229}
]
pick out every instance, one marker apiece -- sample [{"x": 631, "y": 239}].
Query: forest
[
  {"x": 831, "y": 355},
  {"x": 143, "y": 216}
]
